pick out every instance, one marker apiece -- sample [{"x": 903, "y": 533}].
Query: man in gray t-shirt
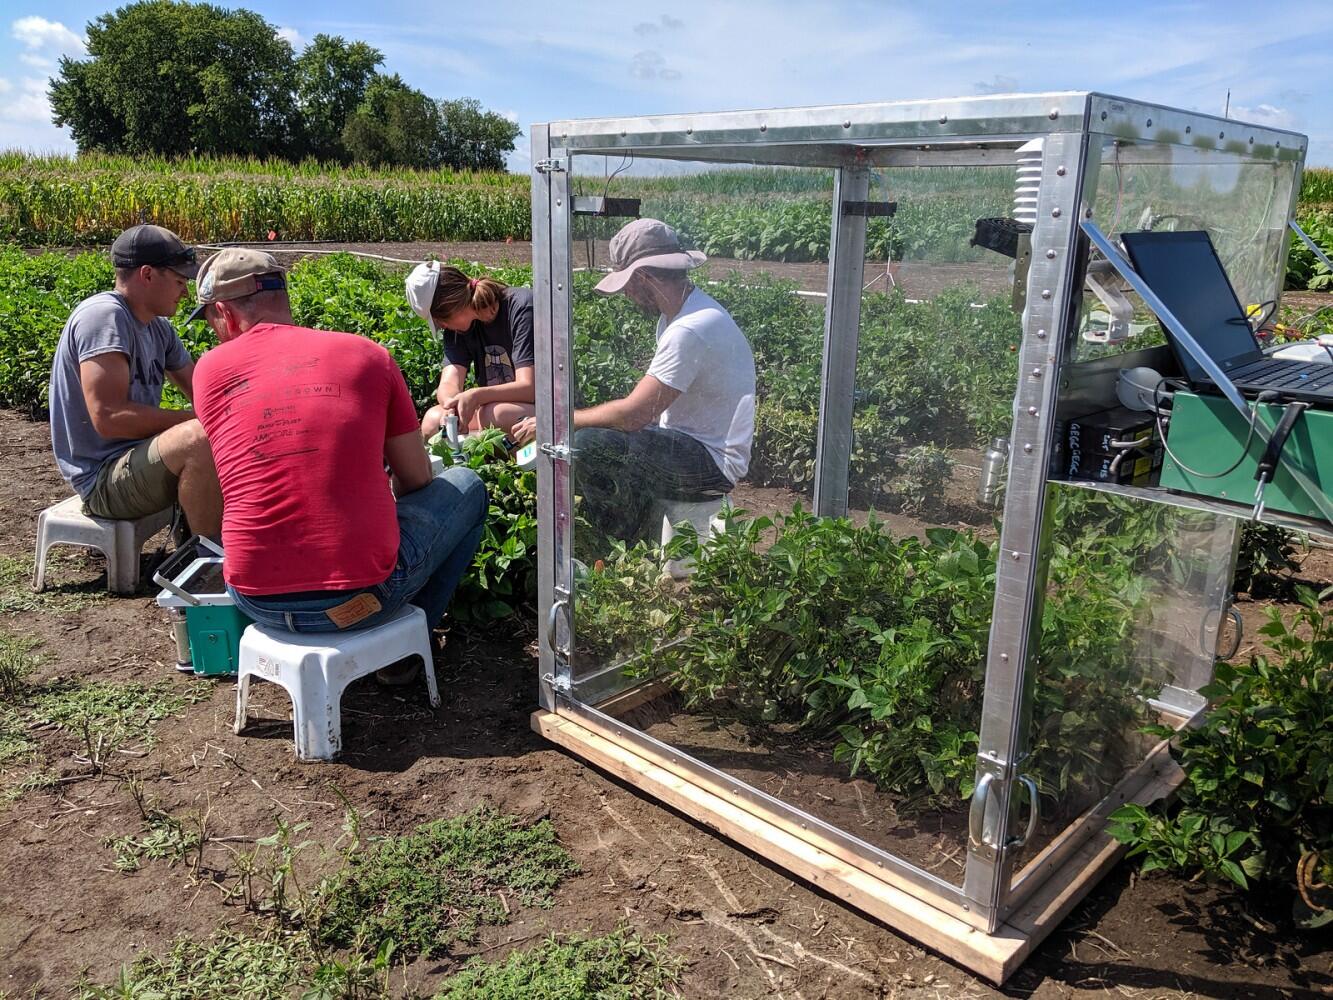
[{"x": 114, "y": 444}]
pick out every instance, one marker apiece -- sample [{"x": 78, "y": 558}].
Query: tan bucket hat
[{"x": 645, "y": 243}]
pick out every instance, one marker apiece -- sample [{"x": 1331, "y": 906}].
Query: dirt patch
[{"x": 744, "y": 927}]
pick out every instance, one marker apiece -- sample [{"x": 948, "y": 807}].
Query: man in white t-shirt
[{"x": 684, "y": 431}]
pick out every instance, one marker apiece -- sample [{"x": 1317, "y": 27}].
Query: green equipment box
[
  {"x": 1207, "y": 434},
  {"x": 208, "y": 625}
]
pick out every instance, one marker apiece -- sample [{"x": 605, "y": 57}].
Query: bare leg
[
  {"x": 185, "y": 451},
  {"x": 502, "y": 415}
]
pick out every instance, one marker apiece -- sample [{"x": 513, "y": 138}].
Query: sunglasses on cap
[{"x": 186, "y": 256}]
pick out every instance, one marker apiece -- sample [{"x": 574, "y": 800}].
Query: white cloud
[
  {"x": 27, "y": 103},
  {"x": 36, "y": 62},
  {"x": 1264, "y": 114},
  {"x": 37, "y": 33},
  {"x": 510, "y": 114},
  {"x": 292, "y": 36},
  {"x": 25, "y": 119}
]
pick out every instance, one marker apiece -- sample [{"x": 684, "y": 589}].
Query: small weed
[
  {"x": 436, "y": 886},
  {"x": 32, "y": 783},
  {"x": 167, "y": 838},
  {"x": 268, "y": 876},
  {"x": 228, "y": 965},
  {"x": 618, "y": 966},
  {"x": 118, "y": 713},
  {"x": 18, "y": 597},
  {"x": 16, "y": 662},
  {"x": 15, "y": 742}
]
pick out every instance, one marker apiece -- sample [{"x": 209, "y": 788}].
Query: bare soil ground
[
  {"x": 744, "y": 927},
  {"x": 917, "y": 279}
]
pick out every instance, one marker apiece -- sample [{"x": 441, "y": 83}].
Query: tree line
[{"x": 177, "y": 78}]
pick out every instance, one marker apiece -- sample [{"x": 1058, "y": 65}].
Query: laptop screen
[{"x": 1184, "y": 271}]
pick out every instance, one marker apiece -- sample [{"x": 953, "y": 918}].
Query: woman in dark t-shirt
[{"x": 486, "y": 326}]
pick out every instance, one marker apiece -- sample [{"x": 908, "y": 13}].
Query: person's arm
[
  {"x": 452, "y": 378},
  {"x": 521, "y": 390},
  {"x": 105, "y": 379},
  {"x": 407, "y": 460},
  {"x": 646, "y": 402},
  {"x": 183, "y": 379}
]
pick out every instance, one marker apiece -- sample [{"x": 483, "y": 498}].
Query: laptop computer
[{"x": 1183, "y": 269}]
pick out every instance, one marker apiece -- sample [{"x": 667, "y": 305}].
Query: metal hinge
[
  {"x": 550, "y": 165},
  {"x": 559, "y": 452}
]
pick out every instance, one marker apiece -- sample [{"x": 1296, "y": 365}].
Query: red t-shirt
[{"x": 297, "y": 421}]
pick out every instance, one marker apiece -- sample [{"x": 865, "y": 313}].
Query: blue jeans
[
  {"x": 439, "y": 528},
  {"x": 621, "y": 473}
]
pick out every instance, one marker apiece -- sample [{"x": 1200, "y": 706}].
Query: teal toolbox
[{"x": 208, "y": 625}]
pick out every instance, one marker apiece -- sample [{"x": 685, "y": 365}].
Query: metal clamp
[
  {"x": 559, "y": 452},
  {"x": 549, "y": 165}
]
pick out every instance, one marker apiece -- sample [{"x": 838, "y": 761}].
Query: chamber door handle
[
  {"x": 1034, "y": 811},
  {"x": 552, "y": 619}
]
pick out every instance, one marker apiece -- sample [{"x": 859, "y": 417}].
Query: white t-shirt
[{"x": 703, "y": 355}]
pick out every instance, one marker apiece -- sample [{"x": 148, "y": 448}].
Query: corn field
[{"x": 46, "y": 201}]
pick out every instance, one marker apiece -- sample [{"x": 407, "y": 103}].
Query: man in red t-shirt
[{"x": 301, "y": 423}]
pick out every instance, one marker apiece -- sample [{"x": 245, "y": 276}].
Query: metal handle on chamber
[
  {"x": 976, "y": 819},
  {"x": 552, "y": 617},
  {"x": 1034, "y": 812},
  {"x": 976, "y": 816}
]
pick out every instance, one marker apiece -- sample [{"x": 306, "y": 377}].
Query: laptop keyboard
[{"x": 1283, "y": 375}]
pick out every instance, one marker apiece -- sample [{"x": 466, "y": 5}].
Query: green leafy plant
[
  {"x": 622, "y": 965},
  {"x": 1258, "y": 793},
  {"x": 437, "y": 885}
]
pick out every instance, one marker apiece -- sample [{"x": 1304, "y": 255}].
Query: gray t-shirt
[{"x": 104, "y": 324}]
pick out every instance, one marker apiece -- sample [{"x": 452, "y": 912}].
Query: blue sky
[{"x": 538, "y": 61}]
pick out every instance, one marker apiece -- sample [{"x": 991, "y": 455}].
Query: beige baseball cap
[
  {"x": 234, "y": 273},
  {"x": 645, "y": 243}
]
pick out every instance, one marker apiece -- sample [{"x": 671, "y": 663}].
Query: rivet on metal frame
[
  {"x": 559, "y": 286},
  {"x": 1045, "y": 293},
  {"x": 1059, "y": 171},
  {"x": 944, "y": 119},
  {"x": 1221, "y": 135},
  {"x": 847, "y": 124},
  {"x": 1055, "y": 213},
  {"x": 1050, "y": 255},
  {"x": 1150, "y": 123},
  {"x": 1033, "y": 411},
  {"x": 1015, "y": 555},
  {"x": 763, "y": 128},
  {"x": 1036, "y": 373},
  {"x": 1027, "y": 448},
  {"x": 1041, "y": 334},
  {"x": 1103, "y": 116},
  {"x": 1189, "y": 129},
  {"x": 1004, "y": 657},
  {"x": 689, "y": 131},
  {"x": 1055, "y": 113}
]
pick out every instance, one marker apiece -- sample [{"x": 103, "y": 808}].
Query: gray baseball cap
[
  {"x": 154, "y": 246},
  {"x": 645, "y": 243}
]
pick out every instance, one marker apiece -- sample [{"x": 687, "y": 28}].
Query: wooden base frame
[{"x": 897, "y": 903}]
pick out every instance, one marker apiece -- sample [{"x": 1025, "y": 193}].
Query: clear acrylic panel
[
  {"x": 1243, "y": 204},
  {"x": 1134, "y": 609},
  {"x": 748, "y": 411},
  {"x": 836, "y": 664}
]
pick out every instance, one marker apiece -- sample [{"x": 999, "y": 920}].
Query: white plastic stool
[
  {"x": 121, "y": 542},
  {"x": 315, "y": 667},
  {"x": 701, "y": 514}
]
